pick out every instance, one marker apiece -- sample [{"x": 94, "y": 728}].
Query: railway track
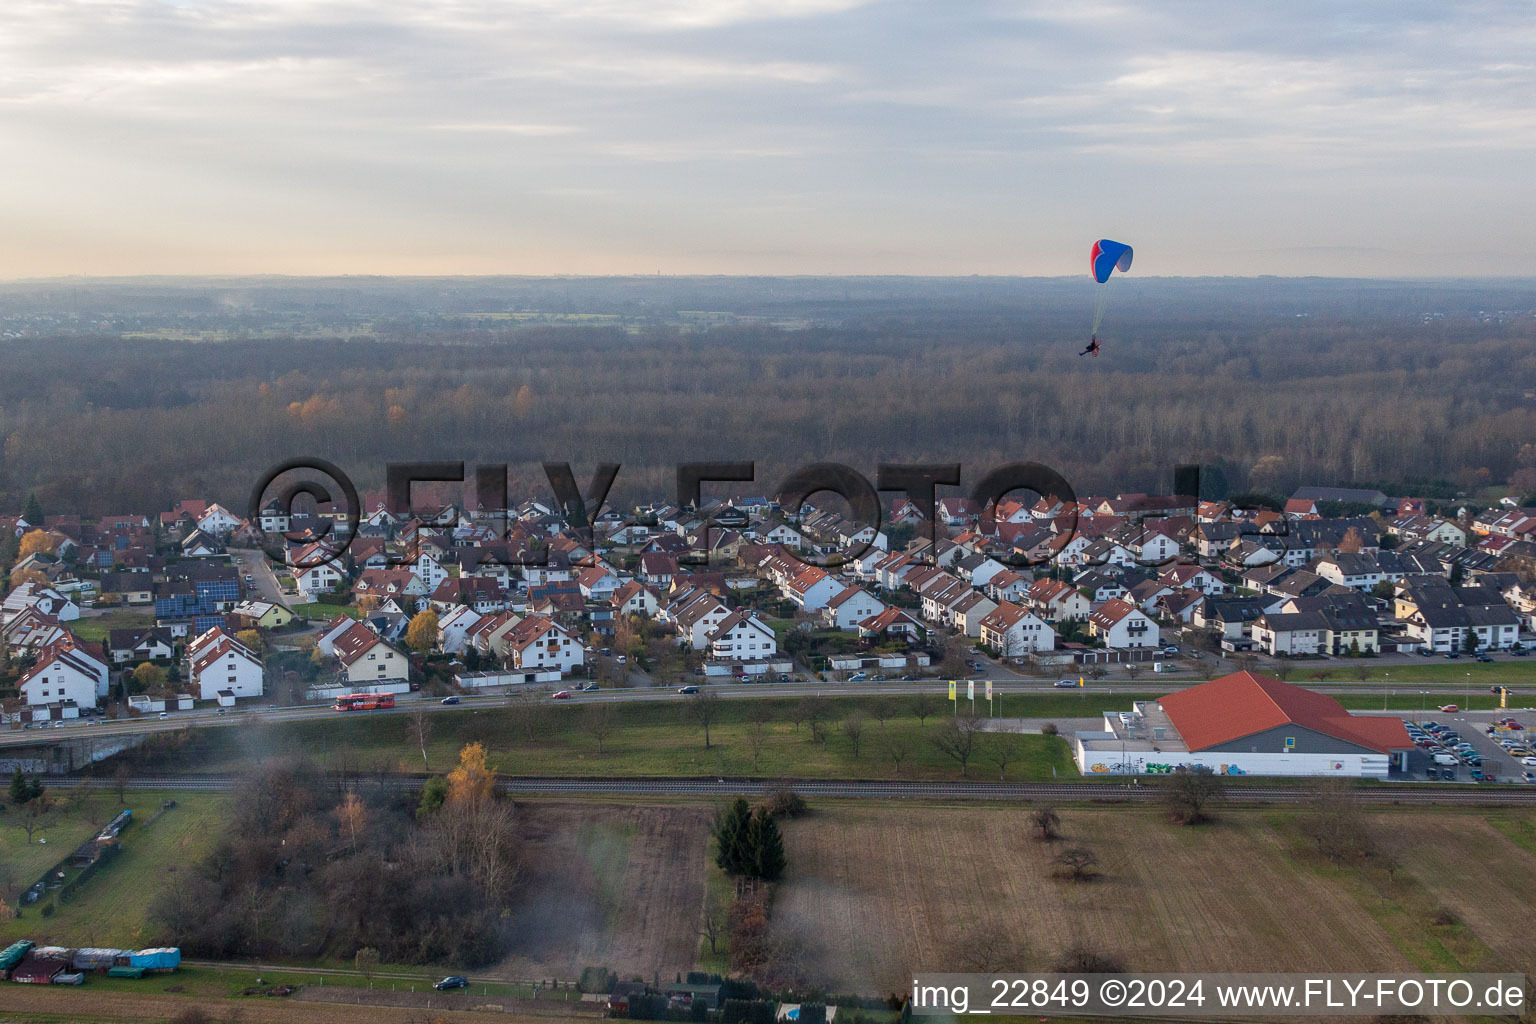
[{"x": 884, "y": 789}]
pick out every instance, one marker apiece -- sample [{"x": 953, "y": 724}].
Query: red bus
[{"x": 364, "y": 701}]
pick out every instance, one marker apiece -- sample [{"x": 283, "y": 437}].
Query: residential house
[
  {"x": 366, "y": 659},
  {"x": 1013, "y": 631},
  {"x": 849, "y": 608},
  {"x": 221, "y": 666},
  {"x": 742, "y": 636},
  {"x": 1122, "y": 626},
  {"x": 537, "y": 644}
]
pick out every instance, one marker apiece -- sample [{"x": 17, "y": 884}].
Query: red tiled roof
[{"x": 1245, "y": 703}]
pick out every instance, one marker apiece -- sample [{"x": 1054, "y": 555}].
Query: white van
[{"x": 1446, "y": 759}]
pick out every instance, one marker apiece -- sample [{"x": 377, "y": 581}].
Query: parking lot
[{"x": 1479, "y": 754}]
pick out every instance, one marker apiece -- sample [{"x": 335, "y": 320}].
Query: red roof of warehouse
[{"x": 1245, "y": 703}]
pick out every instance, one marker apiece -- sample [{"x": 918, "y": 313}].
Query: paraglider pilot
[{"x": 1093, "y": 347}]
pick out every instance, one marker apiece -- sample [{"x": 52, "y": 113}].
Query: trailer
[
  {"x": 12, "y": 955},
  {"x": 95, "y": 959},
  {"x": 36, "y": 972},
  {"x": 164, "y": 958}
]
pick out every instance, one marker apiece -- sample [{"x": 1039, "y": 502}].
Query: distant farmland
[{"x": 884, "y": 891}]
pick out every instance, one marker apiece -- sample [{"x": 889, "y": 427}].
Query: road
[
  {"x": 264, "y": 583},
  {"x": 885, "y": 790},
  {"x": 408, "y": 703}
]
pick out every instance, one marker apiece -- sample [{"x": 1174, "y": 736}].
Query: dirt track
[{"x": 85, "y": 1005}]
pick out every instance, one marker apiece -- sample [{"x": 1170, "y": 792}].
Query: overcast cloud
[{"x": 764, "y": 136}]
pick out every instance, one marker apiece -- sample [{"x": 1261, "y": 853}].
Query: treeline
[
  {"x": 106, "y": 425},
  {"x": 306, "y": 869}
]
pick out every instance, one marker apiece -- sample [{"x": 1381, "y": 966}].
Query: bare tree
[
  {"x": 853, "y": 728},
  {"x": 797, "y": 712},
  {"x": 816, "y": 716},
  {"x": 881, "y": 710},
  {"x": 120, "y": 776},
  {"x": 1189, "y": 794},
  {"x": 896, "y": 747},
  {"x": 757, "y": 738},
  {"x": 712, "y": 925},
  {"x": 1132, "y": 670},
  {"x": 419, "y": 728},
  {"x": 1076, "y": 863},
  {"x": 367, "y": 962},
  {"x": 1047, "y": 822},
  {"x": 1002, "y": 749},
  {"x": 956, "y": 739},
  {"x": 989, "y": 947},
  {"x": 1333, "y": 822},
  {"x": 923, "y": 705},
  {"x": 703, "y": 709},
  {"x": 36, "y": 816},
  {"x": 600, "y": 722}
]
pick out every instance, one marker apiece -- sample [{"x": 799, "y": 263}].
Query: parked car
[
  {"x": 1518, "y": 652},
  {"x": 1448, "y": 774},
  {"x": 1529, "y": 776},
  {"x": 1477, "y": 775},
  {"x": 449, "y": 700},
  {"x": 451, "y": 982},
  {"x": 561, "y": 695},
  {"x": 1425, "y": 652},
  {"x": 622, "y": 659},
  {"x": 1484, "y": 657},
  {"x": 857, "y": 677},
  {"x": 1170, "y": 650},
  {"x": 687, "y": 689},
  {"x": 1529, "y": 761}
]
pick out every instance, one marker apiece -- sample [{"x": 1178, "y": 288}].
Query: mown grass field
[
  {"x": 111, "y": 908},
  {"x": 94, "y": 628},
  {"x": 658, "y": 738}
]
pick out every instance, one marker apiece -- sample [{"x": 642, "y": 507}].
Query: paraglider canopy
[{"x": 1107, "y": 257}]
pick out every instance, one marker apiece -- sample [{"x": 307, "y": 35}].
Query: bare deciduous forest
[{"x": 1380, "y": 384}]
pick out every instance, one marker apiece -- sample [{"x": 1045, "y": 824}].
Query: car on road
[
  {"x": 857, "y": 677},
  {"x": 687, "y": 689},
  {"x": 561, "y": 695},
  {"x": 451, "y": 982},
  {"x": 249, "y": 578},
  {"x": 1449, "y": 709},
  {"x": 622, "y": 659},
  {"x": 1519, "y": 652},
  {"x": 1064, "y": 683},
  {"x": 1483, "y": 658},
  {"x": 589, "y": 688},
  {"x": 449, "y": 700},
  {"x": 164, "y": 716}
]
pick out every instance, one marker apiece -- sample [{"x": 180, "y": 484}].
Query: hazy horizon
[{"x": 741, "y": 137}]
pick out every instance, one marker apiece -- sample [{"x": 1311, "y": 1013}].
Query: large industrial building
[{"x": 1244, "y": 724}]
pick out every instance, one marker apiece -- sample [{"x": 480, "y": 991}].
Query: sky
[{"x": 765, "y": 137}]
